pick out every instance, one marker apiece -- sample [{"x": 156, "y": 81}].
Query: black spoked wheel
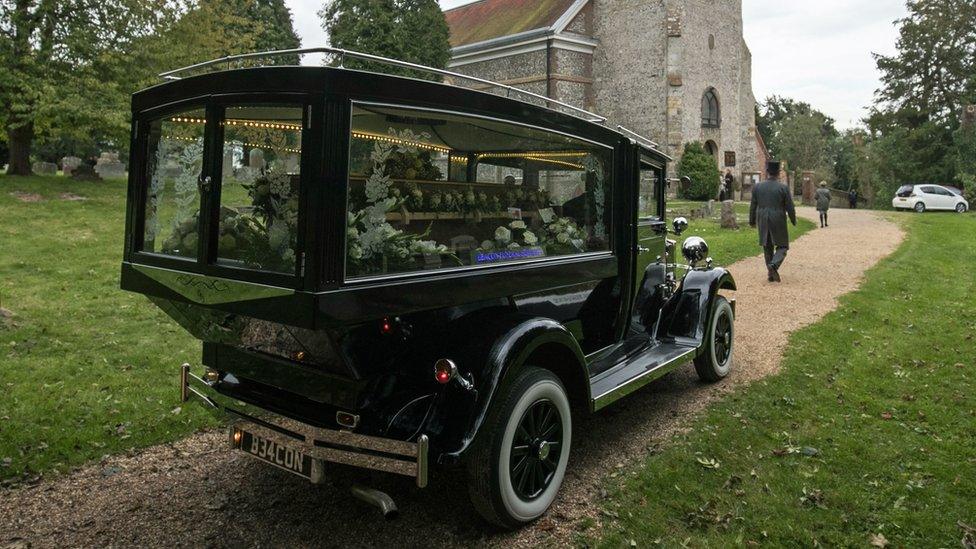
[
  {"x": 535, "y": 450},
  {"x": 715, "y": 360},
  {"x": 518, "y": 463},
  {"x": 961, "y": 208},
  {"x": 722, "y": 339}
]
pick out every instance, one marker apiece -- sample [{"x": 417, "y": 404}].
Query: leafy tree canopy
[
  {"x": 701, "y": 168},
  {"x": 924, "y": 88},
  {"x": 409, "y": 30}
]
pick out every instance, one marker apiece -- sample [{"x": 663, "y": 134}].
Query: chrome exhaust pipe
[{"x": 377, "y": 499}]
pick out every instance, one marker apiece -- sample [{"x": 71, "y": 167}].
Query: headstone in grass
[
  {"x": 728, "y": 215},
  {"x": 108, "y": 166},
  {"x": 45, "y": 168},
  {"x": 85, "y": 172},
  {"x": 69, "y": 164},
  {"x": 6, "y": 313}
]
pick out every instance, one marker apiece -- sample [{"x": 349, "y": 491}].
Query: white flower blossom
[
  {"x": 530, "y": 238},
  {"x": 503, "y": 235},
  {"x": 517, "y": 224}
]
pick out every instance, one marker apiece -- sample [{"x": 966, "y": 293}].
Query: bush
[{"x": 700, "y": 167}]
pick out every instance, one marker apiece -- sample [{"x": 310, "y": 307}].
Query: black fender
[
  {"x": 687, "y": 314},
  {"x": 489, "y": 348}
]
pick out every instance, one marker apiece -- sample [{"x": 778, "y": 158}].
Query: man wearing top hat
[{"x": 771, "y": 204}]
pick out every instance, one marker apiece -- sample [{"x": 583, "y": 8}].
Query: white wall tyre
[
  {"x": 960, "y": 208},
  {"x": 920, "y": 207},
  {"x": 715, "y": 361},
  {"x": 518, "y": 464}
]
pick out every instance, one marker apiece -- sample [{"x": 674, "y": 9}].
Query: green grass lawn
[
  {"x": 85, "y": 368},
  {"x": 869, "y": 430}
]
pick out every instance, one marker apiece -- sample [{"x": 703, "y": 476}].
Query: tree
[
  {"x": 700, "y": 167},
  {"x": 801, "y": 143},
  {"x": 55, "y": 53},
  {"x": 924, "y": 87},
  {"x": 408, "y": 30}
]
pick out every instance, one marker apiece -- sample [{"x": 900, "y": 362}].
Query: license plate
[
  {"x": 279, "y": 455},
  {"x": 902, "y": 199}
]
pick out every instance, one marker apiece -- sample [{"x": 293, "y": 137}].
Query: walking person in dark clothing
[
  {"x": 852, "y": 199},
  {"x": 771, "y": 204},
  {"x": 823, "y": 202}
]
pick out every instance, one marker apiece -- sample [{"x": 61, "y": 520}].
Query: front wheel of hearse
[
  {"x": 517, "y": 465},
  {"x": 715, "y": 361}
]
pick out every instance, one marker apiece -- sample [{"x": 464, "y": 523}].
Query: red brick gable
[{"x": 487, "y": 19}]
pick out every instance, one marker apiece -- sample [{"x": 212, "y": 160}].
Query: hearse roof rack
[{"x": 341, "y": 55}]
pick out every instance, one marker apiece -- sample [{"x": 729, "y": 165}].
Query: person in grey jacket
[
  {"x": 771, "y": 204},
  {"x": 823, "y": 202}
]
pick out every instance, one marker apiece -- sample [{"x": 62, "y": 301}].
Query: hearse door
[
  {"x": 651, "y": 236},
  {"x": 255, "y": 230}
]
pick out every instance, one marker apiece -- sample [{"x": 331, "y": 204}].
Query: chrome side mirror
[
  {"x": 679, "y": 224},
  {"x": 695, "y": 250}
]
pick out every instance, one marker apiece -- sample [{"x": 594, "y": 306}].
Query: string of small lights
[
  {"x": 557, "y": 162},
  {"x": 398, "y": 141},
  {"x": 242, "y": 143},
  {"x": 238, "y": 122},
  {"x": 534, "y": 154}
]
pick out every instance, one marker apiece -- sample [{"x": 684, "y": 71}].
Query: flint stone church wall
[{"x": 653, "y": 62}]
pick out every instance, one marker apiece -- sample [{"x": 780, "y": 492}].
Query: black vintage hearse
[{"x": 405, "y": 275}]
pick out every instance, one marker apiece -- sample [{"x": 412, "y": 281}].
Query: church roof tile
[{"x": 487, "y": 19}]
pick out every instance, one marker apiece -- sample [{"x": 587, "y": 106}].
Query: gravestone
[
  {"x": 728, "y": 215},
  {"x": 85, "y": 172},
  {"x": 255, "y": 159},
  {"x": 109, "y": 167},
  {"x": 45, "y": 168},
  {"x": 228, "y": 163},
  {"x": 69, "y": 163},
  {"x": 709, "y": 209}
]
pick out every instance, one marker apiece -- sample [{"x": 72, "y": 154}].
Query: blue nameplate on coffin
[{"x": 499, "y": 256}]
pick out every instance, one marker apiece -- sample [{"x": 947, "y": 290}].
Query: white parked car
[{"x": 928, "y": 197}]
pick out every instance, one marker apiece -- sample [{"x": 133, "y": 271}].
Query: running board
[{"x": 616, "y": 383}]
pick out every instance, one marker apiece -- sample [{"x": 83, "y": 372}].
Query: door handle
[
  {"x": 204, "y": 184},
  {"x": 642, "y": 249}
]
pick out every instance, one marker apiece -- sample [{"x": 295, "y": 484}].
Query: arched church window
[{"x": 711, "y": 117}]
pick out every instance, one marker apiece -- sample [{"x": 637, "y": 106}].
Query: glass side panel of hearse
[
  {"x": 431, "y": 191},
  {"x": 220, "y": 189}
]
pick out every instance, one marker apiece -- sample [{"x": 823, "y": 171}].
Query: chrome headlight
[
  {"x": 695, "y": 249},
  {"x": 679, "y": 224}
]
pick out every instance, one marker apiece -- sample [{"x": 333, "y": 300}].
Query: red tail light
[{"x": 444, "y": 370}]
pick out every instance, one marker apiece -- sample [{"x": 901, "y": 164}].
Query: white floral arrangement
[{"x": 371, "y": 242}]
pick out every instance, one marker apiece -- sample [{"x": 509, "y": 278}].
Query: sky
[{"x": 819, "y": 52}]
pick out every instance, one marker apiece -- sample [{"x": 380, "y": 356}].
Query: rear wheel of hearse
[
  {"x": 715, "y": 361},
  {"x": 517, "y": 465},
  {"x": 920, "y": 207}
]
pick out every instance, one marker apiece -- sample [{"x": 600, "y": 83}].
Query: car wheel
[
  {"x": 961, "y": 208},
  {"x": 518, "y": 463},
  {"x": 715, "y": 360},
  {"x": 920, "y": 207}
]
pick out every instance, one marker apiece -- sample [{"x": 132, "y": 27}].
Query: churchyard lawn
[
  {"x": 85, "y": 368},
  {"x": 867, "y": 437}
]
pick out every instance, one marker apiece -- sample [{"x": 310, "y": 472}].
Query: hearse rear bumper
[{"x": 327, "y": 445}]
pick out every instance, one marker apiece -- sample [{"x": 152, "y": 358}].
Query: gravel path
[{"x": 194, "y": 492}]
